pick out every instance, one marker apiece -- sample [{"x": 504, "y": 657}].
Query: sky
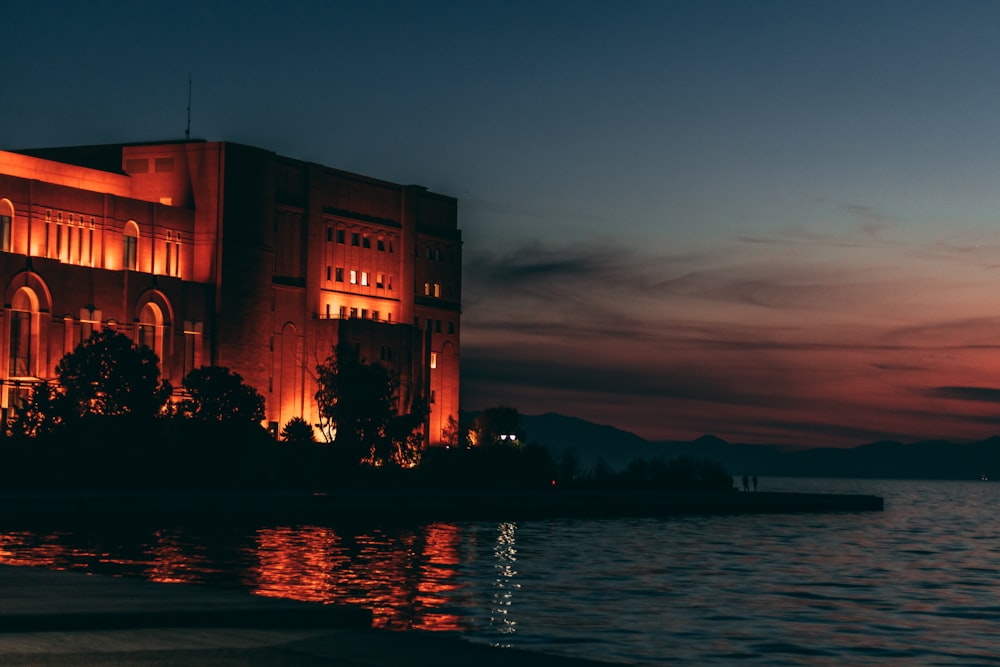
[{"x": 775, "y": 222}]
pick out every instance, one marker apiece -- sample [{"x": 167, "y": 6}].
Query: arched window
[
  {"x": 151, "y": 328},
  {"x": 6, "y": 224},
  {"x": 130, "y": 250},
  {"x": 23, "y": 330}
]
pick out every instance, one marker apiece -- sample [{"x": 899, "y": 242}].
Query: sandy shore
[{"x": 70, "y": 618}]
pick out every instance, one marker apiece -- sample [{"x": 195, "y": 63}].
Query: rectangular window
[
  {"x": 437, "y": 326},
  {"x": 130, "y": 255},
  {"x": 340, "y": 236},
  {"x": 355, "y": 239},
  {"x": 427, "y": 289},
  {"x": 329, "y": 272},
  {"x": 380, "y": 280},
  {"x": 329, "y": 234},
  {"x": 437, "y": 290},
  {"x": 388, "y": 283},
  {"x": 147, "y": 336},
  {"x": 354, "y": 312},
  {"x": 327, "y": 311},
  {"x": 380, "y": 245},
  {"x": 451, "y": 327},
  {"x": 366, "y": 242},
  {"x": 364, "y": 278},
  {"x": 434, "y": 359},
  {"x": 340, "y": 274},
  {"x": 364, "y": 313},
  {"x": 375, "y": 315},
  {"x": 5, "y": 224},
  {"x": 90, "y": 245},
  {"x": 20, "y": 344},
  {"x": 343, "y": 312},
  {"x": 354, "y": 277},
  {"x": 190, "y": 342},
  {"x": 170, "y": 257}
]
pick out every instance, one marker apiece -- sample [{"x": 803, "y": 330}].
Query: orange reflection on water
[
  {"x": 171, "y": 560},
  {"x": 399, "y": 577},
  {"x": 438, "y": 576},
  {"x": 17, "y": 549},
  {"x": 296, "y": 563}
]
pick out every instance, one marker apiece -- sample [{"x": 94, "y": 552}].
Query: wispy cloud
[
  {"x": 786, "y": 338},
  {"x": 976, "y": 394}
]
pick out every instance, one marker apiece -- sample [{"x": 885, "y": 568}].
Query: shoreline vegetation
[
  {"x": 105, "y": 440},
  {"x": 194, "y": 471}
]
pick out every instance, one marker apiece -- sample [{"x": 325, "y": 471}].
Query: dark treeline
[
  {"x": 107, "y": 423},
  {"x": 126, "y": 453}
]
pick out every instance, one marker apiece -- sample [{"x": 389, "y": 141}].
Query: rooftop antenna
[{"x": 187, "y": 132}]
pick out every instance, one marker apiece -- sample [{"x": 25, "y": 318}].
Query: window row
[
  {"x": 358, "y": 239},
  {"x": 434, "y": 325},
  {"x": 434, "y": 254},
  {"x": 150, "y": 329},
  {"x": 434, "y": 290},
  {"x": 357, "y": 313},
  {"x": 355, "y": 277},
  {"x": 71, "y": 238}
]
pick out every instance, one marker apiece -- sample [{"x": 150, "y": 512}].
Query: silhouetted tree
[
  {"x": 39, "y": 414},
  {"x": 358, "y": 412},
  {"x": 297, "y": 431},
  {"x": 110, "y": 376},
  {"x": 451, "y": 434},
  {"x": 215, "y": 393},
  {"x": 498, "y": 425}
]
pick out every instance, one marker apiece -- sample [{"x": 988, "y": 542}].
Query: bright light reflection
[{"x": 504, "y": 586}]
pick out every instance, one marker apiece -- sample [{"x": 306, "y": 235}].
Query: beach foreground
[{"x": 69, "y": 618}]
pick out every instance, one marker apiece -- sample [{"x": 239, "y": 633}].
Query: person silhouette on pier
[{"x": 746, "y": 483}]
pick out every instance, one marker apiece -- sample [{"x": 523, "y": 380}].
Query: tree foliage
[
  {"x": 215, "y": 393},
  {"x": 38, "y": 415},
  {"x": 110, "y": 376},
  {"x": 496, "y": 426},
  {"x": 358, "y": 408},
  {"x": 297, "y": 431}
]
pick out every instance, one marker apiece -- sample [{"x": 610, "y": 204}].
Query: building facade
[{"x": 215, "y": 253}]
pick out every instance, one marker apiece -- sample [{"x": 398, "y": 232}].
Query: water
[{"x": 915, "y": 584}]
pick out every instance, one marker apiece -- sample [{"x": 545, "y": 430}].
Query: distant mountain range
[{"x": 936, "y": 459}]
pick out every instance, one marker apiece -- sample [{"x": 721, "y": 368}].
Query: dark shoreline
[{"x": 410, "y": 506}]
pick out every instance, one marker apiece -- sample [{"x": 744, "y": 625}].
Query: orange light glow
[
  {"x": 402, "y": 579},
  {"x": 169, "y": 563}
]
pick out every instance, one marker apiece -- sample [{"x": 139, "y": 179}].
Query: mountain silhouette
[{"x": 591, "y": 443}]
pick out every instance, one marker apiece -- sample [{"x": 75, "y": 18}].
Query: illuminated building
[{"x": 215, "y": 253}]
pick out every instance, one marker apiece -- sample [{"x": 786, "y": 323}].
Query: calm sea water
[{"x": 918, "y": 583}]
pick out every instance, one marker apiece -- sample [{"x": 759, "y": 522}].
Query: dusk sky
[{"x": 771, "y": 221}]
